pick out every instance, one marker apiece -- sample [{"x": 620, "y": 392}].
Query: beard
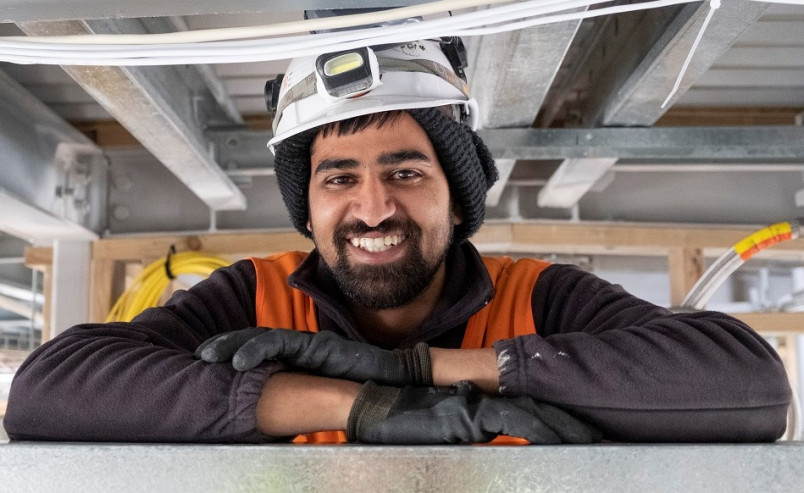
[{"x": 379, "y": 287}]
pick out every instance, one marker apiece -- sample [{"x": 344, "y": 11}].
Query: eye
[
  {"x": 405, "y": 174},
  {"x": 339, "y": 180}
]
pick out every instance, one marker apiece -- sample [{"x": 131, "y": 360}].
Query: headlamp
[{"x": 347, "y": 73}]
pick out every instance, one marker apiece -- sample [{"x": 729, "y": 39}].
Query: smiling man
[
  {"x": 394, "y": 329},
  {"x": 380, "y": 212}
]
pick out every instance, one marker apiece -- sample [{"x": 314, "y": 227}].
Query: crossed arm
[
  {"x": 631, "y": 369},
  {"x": 285, "y": 393}
]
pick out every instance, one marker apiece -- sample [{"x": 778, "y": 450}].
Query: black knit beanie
[{"x": 465, "y": 159}]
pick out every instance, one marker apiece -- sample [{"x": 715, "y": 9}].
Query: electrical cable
[
  {"x": 509, "y": 17},
  {"x": 149, "y": 286},
  {"x": 308, "y": 25},
  {"x": 279, "y": 44},
  {"x": 734, "y": 257}
]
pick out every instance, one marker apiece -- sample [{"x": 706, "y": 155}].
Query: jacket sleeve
[
  {"x": 138, "y": 381},
  {"x": 640, "y": 372}
]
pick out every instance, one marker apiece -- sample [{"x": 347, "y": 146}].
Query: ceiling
[{"x": 571, "y": 110}]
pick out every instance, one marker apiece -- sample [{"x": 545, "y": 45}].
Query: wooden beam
[
  {"x": 101, "y": 290},
  {"x": 698, "y": 116},
  {"x": 790, "y": 358},
  {"x": 685, "y": 266},
  {"x": 232, "y": 244},
  {"x": 107, "y": 133},
  {"x": 38, "y": 258},
  {"x": 621, "y": 239},
  {"x": 493, "y": 237},
  {"x": 47, "y": 293},
  {"x": 773, "y": 323},
  {"x": 685, "y": 242}
]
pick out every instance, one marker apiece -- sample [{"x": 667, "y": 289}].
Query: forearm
[
  {"x": 678, "y": 382},
  {"x": 139, "y": 381},
  {"x": 476, "y": 365},
  {"x": 110, "y": 383},
  {"x": 295, "y": 403},
  {"x": 640, "y": 372}
]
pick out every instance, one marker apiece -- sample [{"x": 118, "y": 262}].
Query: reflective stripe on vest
[{"x": 507, "y": 315}]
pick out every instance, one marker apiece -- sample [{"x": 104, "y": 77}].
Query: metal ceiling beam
[
  {"x": 504, "y": 169},
  {"x": 638, "y": 98},
  {"x": 658, "y": 143},
  {"x": 165, "y": 108},
  {"x": 53, "y": 183},
  {"x": 21, "y": 309},
  {"x": 510, "y": 73},
  {"x": 40, "y": 227},
  {"x": 609, "y": 44},
  {"x": 51, "y": 10},
  {"x": 635, "y": 84},
  {"x": 246, "y": 148},
  {"x": 571, "y": 181}
]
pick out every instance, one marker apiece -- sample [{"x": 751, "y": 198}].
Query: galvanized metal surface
[
  {"x": 286, "y": 468},
  {"x": 237, "y": 149},
  {"x": 52, "y": 183},
  {"x": 750, "y": 143},
  {"x": 639, "y": 97},
  {"x": 165, "y": 108},
  {"x": 510, "y": 73},
  {"x": 572, "y": 180}
]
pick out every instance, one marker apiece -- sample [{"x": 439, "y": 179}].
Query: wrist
[
  {"x": 370, "y": 408},
  {"x": 415, "y": 363},
  {"x": 476, "y": 365},
  {"x": 294, "y": 403}
]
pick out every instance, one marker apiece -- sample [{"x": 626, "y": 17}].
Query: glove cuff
[
  {"x": 416, "y": 362},
  {"x": 371, "y": 407}
]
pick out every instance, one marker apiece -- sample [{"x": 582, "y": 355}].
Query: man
[{"x": 394, "y": 329}]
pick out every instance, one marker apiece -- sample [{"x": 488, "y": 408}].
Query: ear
[{"x": 309, "y": 226}]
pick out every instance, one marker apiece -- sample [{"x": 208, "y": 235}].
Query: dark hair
[{"x": 359, "y": 123}]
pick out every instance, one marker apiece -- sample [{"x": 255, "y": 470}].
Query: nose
[{"x": 373, "y": 202}]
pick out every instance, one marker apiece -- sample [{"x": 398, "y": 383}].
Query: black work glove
[
  {"x": 461, "y": 413},
  {"x": 323, "y": 353}
]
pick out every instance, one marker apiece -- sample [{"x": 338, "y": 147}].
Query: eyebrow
[
  {"x": 328, "y": 164},
  {"x": 402, "y": 156},
  {"x": 386, "y": 158}
]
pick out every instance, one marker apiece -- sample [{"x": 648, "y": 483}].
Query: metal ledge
[{"x": 217, "y": 468}]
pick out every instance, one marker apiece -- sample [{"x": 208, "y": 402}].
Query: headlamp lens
[
  {"x": 346, "y": 73},
  {"x": 343, "y": 63}
]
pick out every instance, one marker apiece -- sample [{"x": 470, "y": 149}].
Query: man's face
[{"x": 380, "y": 211}]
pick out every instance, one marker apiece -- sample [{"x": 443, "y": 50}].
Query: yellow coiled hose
[{"x": 151, "y": 283}]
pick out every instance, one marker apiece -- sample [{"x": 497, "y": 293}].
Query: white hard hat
[{"x": 337, "y": 86}]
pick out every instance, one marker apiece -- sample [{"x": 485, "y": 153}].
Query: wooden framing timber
[
  {"x": 684, "y": 245},
  {"x": 621, "y": 239}
]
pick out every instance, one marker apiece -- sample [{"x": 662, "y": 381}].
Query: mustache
[{"x": 358, "y": 228}]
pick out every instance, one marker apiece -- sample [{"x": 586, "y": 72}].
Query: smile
[{"x": 377, "y": 245}]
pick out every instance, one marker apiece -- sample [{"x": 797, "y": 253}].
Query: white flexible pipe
[
  {"x": 206, "y": 35},
  {"x": 282, "y": 48},
  {"x": 467, "y": 20}
]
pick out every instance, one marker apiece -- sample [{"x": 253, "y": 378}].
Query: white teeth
[{"x": 376, "y": 245}]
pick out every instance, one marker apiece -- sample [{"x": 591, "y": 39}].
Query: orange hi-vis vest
[{"x": 507, "y": 315}]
